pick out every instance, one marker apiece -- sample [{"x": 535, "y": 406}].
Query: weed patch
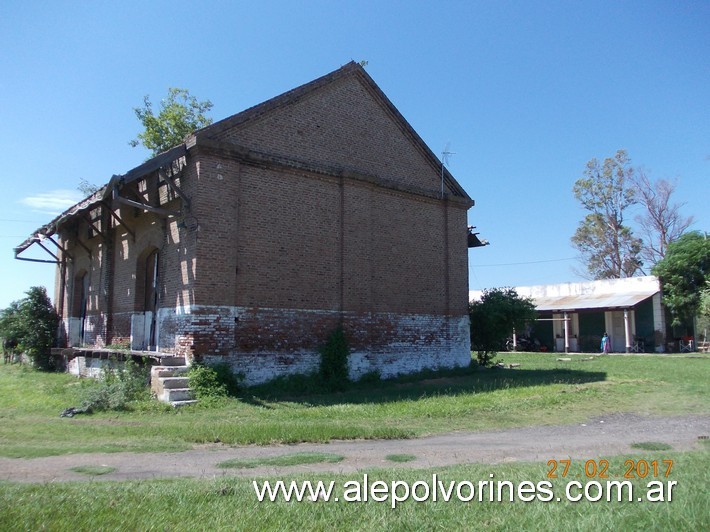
[
  {"x": 284, "y": 460},
  {"x": 651, "y": 446},
  {"x": 93, "y": 470},
  {"x": 400, "y": 458},
  {"x": 334, "y": 361},
  {"x": 117, "y": 387}
]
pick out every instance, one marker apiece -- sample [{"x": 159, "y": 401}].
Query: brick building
[{"x": 261, "y": 233}]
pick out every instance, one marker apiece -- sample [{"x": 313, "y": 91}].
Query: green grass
[
  {"x": 651, "y": 446},
  {"x": 93, "y": 470},
  {"x": 400, "y": 458},
  {"x": 230, "y": 503},
  {"x": 542, "y": 391},
  {"x": 283, "y": 460}
]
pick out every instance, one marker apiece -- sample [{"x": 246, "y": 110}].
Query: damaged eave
[
  {"x": 50, "y": 229},
  {"x": 155, "y": 164},
  {"x": 102, "y": 198},
  {"x": 474, "y": 241}
]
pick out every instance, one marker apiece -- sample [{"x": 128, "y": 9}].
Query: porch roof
[{"x": 592, "y": 301}]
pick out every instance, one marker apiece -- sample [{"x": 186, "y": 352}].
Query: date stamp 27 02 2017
[{"x": 600, "y": 469}]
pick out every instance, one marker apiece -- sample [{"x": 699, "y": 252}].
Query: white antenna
[{"x": 445, "y": 161}]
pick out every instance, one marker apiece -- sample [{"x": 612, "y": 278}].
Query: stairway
[{"x": 169, "y": 383}]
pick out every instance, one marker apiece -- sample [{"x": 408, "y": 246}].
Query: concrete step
[
  {"x": 175, "y": 382},
  {"x": 178, "y": 404},
  {"x": 178, "y": 394},
  {"x": 172, "y": 361},
  {"x": 168, "y": 371}
]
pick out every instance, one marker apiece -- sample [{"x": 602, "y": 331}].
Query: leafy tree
[
  {"x": 705, "y": 301},
  {"x": 684, "y": 273},
  {"x": 493, "y": 319},
  {"x": 608, "y": 248},
  {"x": 11, "y": 325},
  {"x": 32, "y": 322},
  {"x": 661, "y": 222},
  {"x": 180, "y": 115},
  {"x": 703, "y": 321}
]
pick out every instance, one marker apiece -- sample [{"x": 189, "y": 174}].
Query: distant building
[
  {"x": 252, "y": 241},
  {"x": 574, "y": 316}
]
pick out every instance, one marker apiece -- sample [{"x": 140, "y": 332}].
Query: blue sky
[{"x": 524, "y": 93}]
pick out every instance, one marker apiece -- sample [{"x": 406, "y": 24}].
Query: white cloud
[{"x": 52, "y": 202}]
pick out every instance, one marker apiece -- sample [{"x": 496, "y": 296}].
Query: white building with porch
[{"x": 572, "y": 317}]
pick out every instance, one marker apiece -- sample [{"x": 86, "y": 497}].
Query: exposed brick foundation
[{"x": 265, "y": 343}]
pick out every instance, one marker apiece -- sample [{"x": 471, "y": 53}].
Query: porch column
[
  {"x": 566, "y": 322},
  {"x": 626, "y": 330}
]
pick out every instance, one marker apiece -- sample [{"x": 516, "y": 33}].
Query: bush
[
  {"x": 493, "y": 319},
  {"x": 213, "y": 381},
  {"x": 334, "y": 361},
  {"x": 31, "y": 324},
  {"x": 117, "y": 387}
]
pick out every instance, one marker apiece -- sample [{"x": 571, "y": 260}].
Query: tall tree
[
  {"x": 180, "y": 115},
  {"x": 608, "y": 248},
  {"x": 684, "y": 273},
  {"x": 660, "y": 222}
]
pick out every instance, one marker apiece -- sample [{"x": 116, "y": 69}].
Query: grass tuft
[
  {"x": 401, "y": 458},
  {"x": 93, "y": 470},
  {"x": 284, "y": 460},
  {"x": 651, "y": 446}
]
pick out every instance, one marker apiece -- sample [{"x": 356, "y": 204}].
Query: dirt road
[{"x": 603, "y": 436}]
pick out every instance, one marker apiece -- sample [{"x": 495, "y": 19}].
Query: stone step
[
  {"x": 175, "y": 382},
  {"x": 172, "y": 361},
  {"x": 178, "y": 394}
]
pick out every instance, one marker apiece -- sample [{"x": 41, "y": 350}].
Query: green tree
[
  {"x": 494, "y": 317},
  {"x": 32, "y": 322},
  {"x": 608, "y": 248},
  {"x": 703, "y": 322},
  {"x": 180, "y": 115},
  {"x": 684, "y": 273},
  {"x": 11, "y": 324}
]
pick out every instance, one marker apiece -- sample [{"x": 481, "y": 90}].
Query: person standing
[{"x": 606, "y": 344}]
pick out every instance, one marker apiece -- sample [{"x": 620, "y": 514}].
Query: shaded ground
[{"x": 603, "y": 436}]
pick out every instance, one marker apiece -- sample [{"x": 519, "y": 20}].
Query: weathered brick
[{"x": 316, "y": 209}]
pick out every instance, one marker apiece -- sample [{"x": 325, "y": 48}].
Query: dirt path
[{"x": 603, "y": 436}]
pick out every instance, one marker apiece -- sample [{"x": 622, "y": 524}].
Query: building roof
[
  {"x": 205, "y": 136},
  {"x": 588, "y": 295},
  {"x": 597, "y": 301}
]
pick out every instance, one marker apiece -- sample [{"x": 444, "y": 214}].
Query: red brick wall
[
  {"x": 271, "y": 256},
  {"x": 341, "y": 125},
  {"x": 292, "y": 240}
]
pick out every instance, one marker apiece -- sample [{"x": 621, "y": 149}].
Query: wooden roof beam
[
  {"x": 169, "y": 181},
  {"x": 149, "y": 208},
  {"x": 119, "y": 220}
]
